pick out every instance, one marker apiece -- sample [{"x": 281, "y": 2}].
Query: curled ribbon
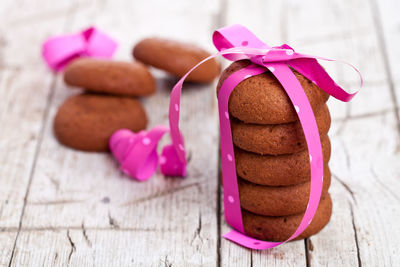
[
  {"x": 58, "y": 51},
  {"x": 137, "y": 153},
  {"x": 235, "y": 43}
]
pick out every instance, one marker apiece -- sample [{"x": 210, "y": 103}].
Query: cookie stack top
[{"x": 261, "y": 99}]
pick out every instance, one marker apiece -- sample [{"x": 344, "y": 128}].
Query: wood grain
[
  {"x": 61, "y": 207},
  {"x": 86, "y": 190},
  {"x": 25, "y": 87}
]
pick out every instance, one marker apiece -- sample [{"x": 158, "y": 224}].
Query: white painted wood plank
[
  {"x": 337, "y": 29},
  {"x": 25, "y": 85},
  {"x": 24, "y": 26},
  {"x": 335, "y": 245},
  {"x": 387, "y": 25},
  {"x": 371, "y": 174},
  {"x": 75, "y": 188},
  {"x": 266, "y": 18},
  {"x": 290, "y": 254},
  {"x": 334, "y": 30},
  {"x": 387, "y": 17},
  {"x": 24, "y": 94},
  {"x": 353, "y": 235},
  {"x": 6, "y": 246},
  {"x": 85, "y": 247}
]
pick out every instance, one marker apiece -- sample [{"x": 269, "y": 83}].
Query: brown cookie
[
  {"x": 281, "y": 228},
  {"x": 278, "y": 200},
  {"x": 278, "y": 170},
  {"x": 177, "y": 58},
  {"x": 111, "y": 77},
  {"x": 87, "y": 121},
  {"x": 261, "y": 99},
  {"x": 275, "y": 139}
]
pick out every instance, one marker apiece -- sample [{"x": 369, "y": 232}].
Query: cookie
[
  {"x": 261, "y": 99},
  {"x": 110, "y": 77},
  {"x": 275, "y": 139},
  {"x": 177, "y": 58},
  {"x": 278, "y": 200},
  {"x": 281, "y": 228},
  {"x": 281, "y": 170},
  {"x": 87, "y": 121}
]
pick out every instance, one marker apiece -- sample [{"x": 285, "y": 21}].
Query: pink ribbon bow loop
[{"x": 58, "y": 51}]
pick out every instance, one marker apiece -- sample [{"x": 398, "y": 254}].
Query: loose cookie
[
  {"x": 278, "y": 200},
  {"x": 87, "y": 121},
  {"x": 110, "y": 77},
  {"x": 275, "y": 139},
  {"x": 261, "y": 99},
  {"x": 281, "y": 170},
  {"x": 281, "y": 228},
  {"x": 177, "y": 58}
]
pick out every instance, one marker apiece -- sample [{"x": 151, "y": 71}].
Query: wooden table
[{"x": 62, "y": 207}]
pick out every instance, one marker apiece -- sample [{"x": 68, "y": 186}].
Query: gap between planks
[
  {"x": 220, "y": 21},
  {"x": 36, "y": 155}
]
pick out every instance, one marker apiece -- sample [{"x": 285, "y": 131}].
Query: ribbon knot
[{"x": 275, "y": 54}]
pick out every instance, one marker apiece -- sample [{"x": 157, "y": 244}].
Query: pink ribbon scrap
[
  {"x": 58, "y": 51},
  {"x": 137, "y": 152}
]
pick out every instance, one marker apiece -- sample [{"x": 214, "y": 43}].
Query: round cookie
[
  {"x": 111, "y": 77},
  {"x": 278, "y": 200},
  {"x": 261, "y": 99},
  {"x": 281, "y": 170},
  {"x": 87, "y": 121},
  {"x": 281, "y": 228},
  {"x": 276, "y": 139},
  {"x": 177, "y": 58}
]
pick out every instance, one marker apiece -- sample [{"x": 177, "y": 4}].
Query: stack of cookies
[
  {"x": 272, "y": 160},
  {"x": 109, "y": 103}
]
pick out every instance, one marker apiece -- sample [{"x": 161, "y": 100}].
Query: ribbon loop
[
  {"x": 137, "y": 153},
  {"x": 58, "y": 51}
]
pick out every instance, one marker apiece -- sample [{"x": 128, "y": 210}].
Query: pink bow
[
  {"x": 58, "y": 51},
  {"x": 234, "y": 43}
]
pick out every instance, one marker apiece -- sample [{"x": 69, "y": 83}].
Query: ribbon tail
[
  {"x": 312, "y": 70},
  {"x": 249, "y": 242},
  {"x": 175, "y": 98}
]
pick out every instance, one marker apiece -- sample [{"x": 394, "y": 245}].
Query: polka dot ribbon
[
  {"x": 58, "y": 51},
  {"x": 137, "y": 152}
]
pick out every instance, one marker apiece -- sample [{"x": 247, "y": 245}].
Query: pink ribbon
[
  {"x": 137, "y": 153},
  {"x": 58, "y": 51},
  {"x": 234, "y": 43}
]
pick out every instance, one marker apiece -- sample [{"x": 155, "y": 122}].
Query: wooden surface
[{"x": 61, "y": 207}]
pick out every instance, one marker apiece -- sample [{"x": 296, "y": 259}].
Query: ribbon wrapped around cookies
[{"x": 138, "y": 155}]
